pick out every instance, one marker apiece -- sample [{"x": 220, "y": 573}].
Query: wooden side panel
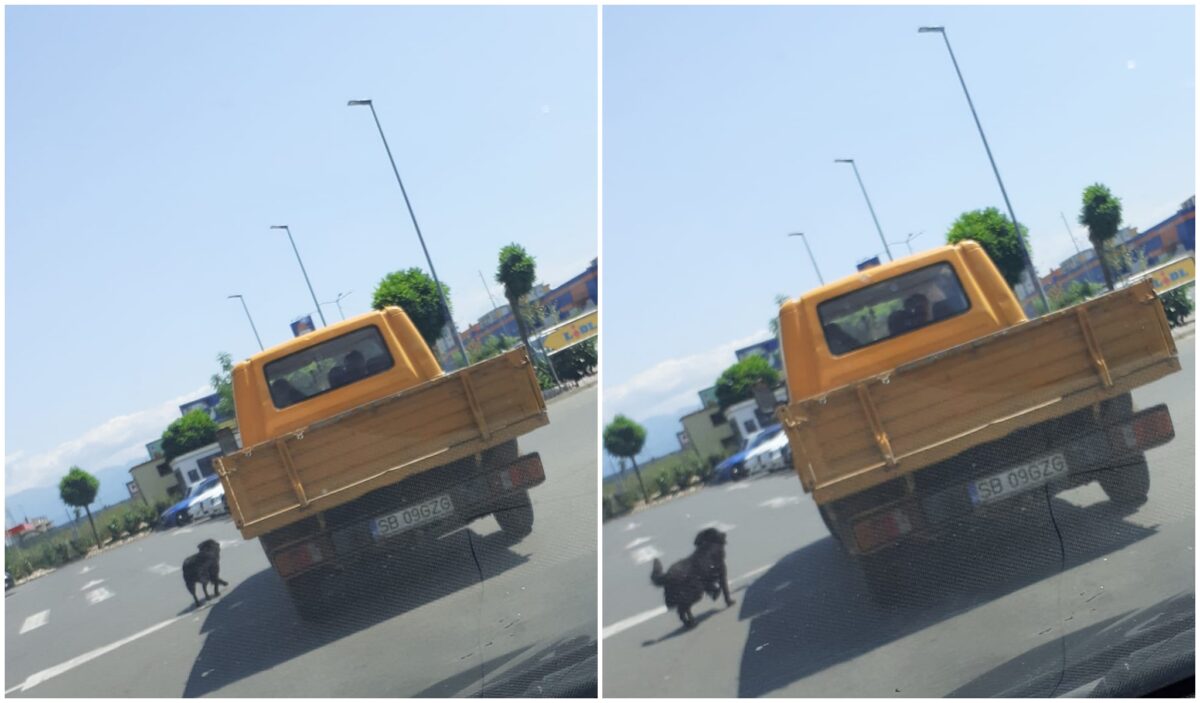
[
  {"x": 341, "y": 458},
  {"x": 936, "y": 407}
]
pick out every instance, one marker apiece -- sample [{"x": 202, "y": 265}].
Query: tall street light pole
[
  {"x": 1069, "y": 233},
  {"x": 338, "y": 302},
  {"x": 285, "y": 228},
  {"x": 868, "y": 199},
  {"x": 489, "y": 290},
  {"x": 417, "y": 227},
  {"x": 1033, "y": 276},
  {"x": 908, "y": 240},
  {"x": 810, "y": 254},
  {"x": 251, "y": 319}
]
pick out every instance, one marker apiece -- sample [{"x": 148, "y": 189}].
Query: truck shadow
[
  {"x": 811, "y": 610},
  {"x": 253, "y": 626},
  {"x": 566, "y": 668}
]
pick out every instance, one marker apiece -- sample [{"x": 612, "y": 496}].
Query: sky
[
  {"x": 150, "y": 149},
  {"x": 721, "y": 126}
]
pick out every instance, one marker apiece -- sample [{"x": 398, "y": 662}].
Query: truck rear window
[
  {"x": 326, "y": 366},
  {"x": 891, "y": 308}
]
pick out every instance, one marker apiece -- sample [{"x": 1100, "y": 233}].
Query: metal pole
[
  {"x": 489, "y": 290},
  {"x": 417, "y": 227},
  {"x": 320, "y": 314},
  {"x": 1069, "y": 234},
  {"x": 251, "y": 319},
  {"x": 869, "y": 207},
  {"x": 810, "y": 255},
  {"x": 1037, "y": 284}
]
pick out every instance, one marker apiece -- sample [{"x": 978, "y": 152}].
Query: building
[
  {"x": 1169, "y": 239},
  {"x": 709, "y": 433},
  {"x": 209, "y": 405},
  {"x": 572, "y": 298},
  {"x": 190, "y": 468},
  {"x": 156, "y": 481},
  {"x": 769, "y": 349}
]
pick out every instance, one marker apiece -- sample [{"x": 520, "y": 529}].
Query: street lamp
[
  {"x": 868, "y": 199},
  {"x": 1069, "y": 233},
  {"x": 338, "y": 302},
  {"x": 310, "y": 288},
  {"x": 437, "y": 284},
  {"x": 810, "y": 254},
  {"x": 908, "y": 240},
  {"x": 251, "y": 319},
  {"x": 1037, "y": 284}
]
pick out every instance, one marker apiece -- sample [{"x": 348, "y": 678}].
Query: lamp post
[
  {"x": 868, "y": 199},
  {"x": 1069, "y": 234},
  {"x": 810, "y": 254},
  {"x": 251, "y": 319},
  {"x": 285, "y": 228},
  {"x": 1037, "y": 284},
  {"x": 338, "y": 302},
  {"x": 437, "y": 284},
  {"x": 908, "y": 240}
]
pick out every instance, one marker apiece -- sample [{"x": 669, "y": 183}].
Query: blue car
[
  {"x": 734, "y": 468},
  {"x": 177, "y": 514}
]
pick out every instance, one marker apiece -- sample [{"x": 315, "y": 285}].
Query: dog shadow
[
  {"x": 681, "y": 629},
  {"x": 811, "y": 610},
  {"x": 253, "y": 627}
]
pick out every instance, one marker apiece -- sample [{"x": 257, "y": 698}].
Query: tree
[
  {"x": 994, "y": 232},
  {"x": 78, "y": 489},
  {"x": 624, "y": 439},
  {"x": 517, "y": 271},
  {"x": 576, "y": 361},
  {"x": 1177, "y": 305},
  {"x": 222, "y": 383},
  {"x": 415, "y": 292},
  {"x": 495, "y": 345},
  {"x": 192, "y": 431},
  {"x": 1101, "y": 214},
  {"x": 737, "y": 382}
]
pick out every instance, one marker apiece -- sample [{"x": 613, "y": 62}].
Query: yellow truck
[
  {"x": 923, "y": 405},
  {"x": 357, "y": 447}
]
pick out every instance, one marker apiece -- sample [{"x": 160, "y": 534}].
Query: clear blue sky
[
  {"x": 149, "y": 149},
  {"x": 721, "y": 126}
]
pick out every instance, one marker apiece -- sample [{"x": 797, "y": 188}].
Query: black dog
[
  {"x": 686, "y": 582},
  {"x": 204, "y": 567}
]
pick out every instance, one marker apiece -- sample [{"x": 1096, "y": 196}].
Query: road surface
[
  {"x": 803, "y": 626},
  {"x": 121, "y": 624}
]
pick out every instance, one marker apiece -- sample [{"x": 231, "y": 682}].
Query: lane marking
[
  {"x": 84, "y": 570},
  {"x": 632, "y": 526},
  {"x": 89, "y": 584},
  {"x": 163, "y": 569},
  {"x": 98, "y": 596},
  {"x": 35, "y": 621},
  {"x": 637, "y": 542},
  {"x": 738, "y": 487},
  {"x": 182, "y": 531},
  {"x": 780, "y": 501},
  {"x": 635, "y": 620},
  {"x": 646, "y": 554},
  {"x": 54, "y": 671},
  {"x": 719, "y": 525},
  {"x": 227, "y": 543}
]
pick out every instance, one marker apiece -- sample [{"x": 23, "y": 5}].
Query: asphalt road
[
  {"x": 122, "y": 623},
  {"x": 1024, "y": 608}
]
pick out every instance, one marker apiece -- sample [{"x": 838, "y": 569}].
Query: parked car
[
  {"x": 179, "y": 514},
  {"x": 770, "y": 451},
  {"x": 9, "y": 582},
  {"x": 734, "y": 468},
  {"x": 209, "y": 503}
]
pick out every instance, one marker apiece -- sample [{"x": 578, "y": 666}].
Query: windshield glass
[
  {"x": 891, "y": 308},
  {"x": 326, "y": 366}
]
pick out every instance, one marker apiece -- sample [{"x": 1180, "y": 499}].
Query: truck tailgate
[
  {"x": 929, "y": 410},
  {"x": 341, "y": 458}
]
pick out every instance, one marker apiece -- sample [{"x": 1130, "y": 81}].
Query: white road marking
[
  {"x": 719, "y": 525},
  {"x": 84, "y": 570},
  {"x": 89, "y": 584},
  {"x": 738, "y": 486},
  {"x": 637, "y": 542},
  {"x": 47, "y": 674},
  {"x": 163, "y": 569},
  {"x": 780, "y": 501},
  {"x": 182, "y": 531},
  {"x": 35, "y": 621},
  {"x": 635, "y": 620},
  {"x": 646, "y": 554},
  {"x": 632, "y": 526},
  {"x": 98, "y": 596},
  {"x": 227, "y": 543}
]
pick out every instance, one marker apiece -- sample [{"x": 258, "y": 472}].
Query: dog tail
[{"x": 656, "y": 575}]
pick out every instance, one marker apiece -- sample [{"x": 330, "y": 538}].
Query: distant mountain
[
  {"x": 660, "y": 440},
  {"x": 44, "y": 501}
]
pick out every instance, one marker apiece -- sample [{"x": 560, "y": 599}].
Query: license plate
[
  {"x": 412, "y": 516},
  {"x": 1016, "y": 479}
]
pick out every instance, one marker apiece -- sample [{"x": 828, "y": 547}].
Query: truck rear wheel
[
  {"x": 1127, "y": 486},
  {"x": 517, "y": 519}
]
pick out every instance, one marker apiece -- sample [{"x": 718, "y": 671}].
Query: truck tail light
[
  {"x": 298, "y": 558},
  {"x": 525, "y": 471},
  {"x": 883, "y": 527},
  {"x": 1153, "y": 427}
]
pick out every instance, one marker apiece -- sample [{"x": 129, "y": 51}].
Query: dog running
[
  {"x": 686, "y": 582},
  {"x": 204, "y": 567}
]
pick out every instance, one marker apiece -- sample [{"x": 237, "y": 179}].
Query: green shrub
[
  {"x": 131, "y": 520},
  {"x": 160, "y": 506},
  {"x": 683, "y": 476},
  {"x": 1177, "y": 306},
  {"x": 81, "y": 545},
  {"x": 664, "y": 484}
]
